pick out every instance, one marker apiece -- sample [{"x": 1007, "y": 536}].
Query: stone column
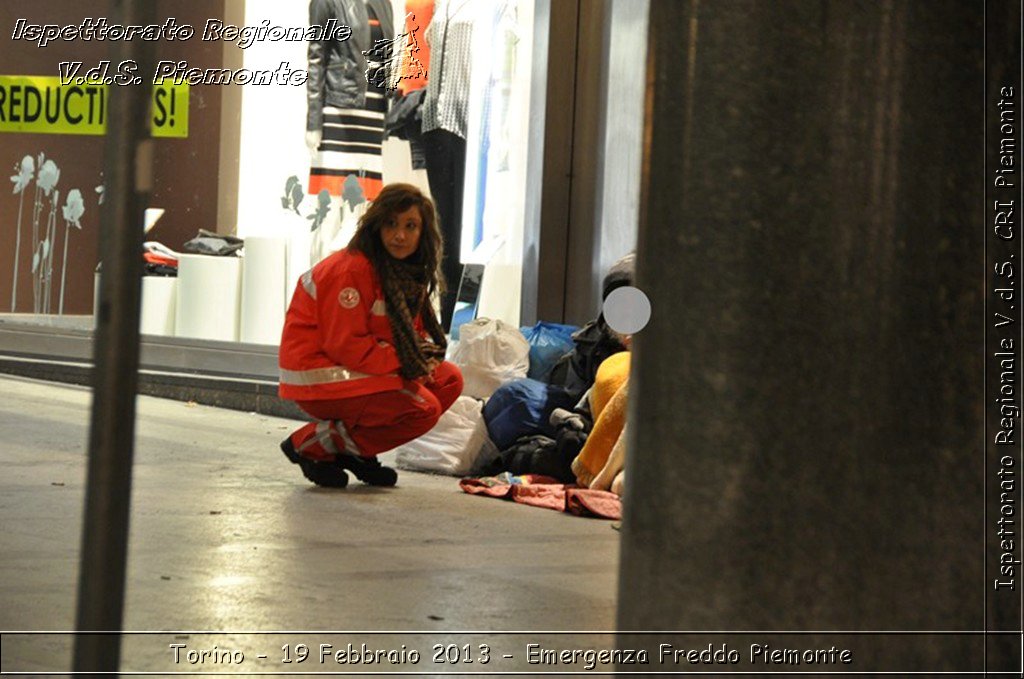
[{"x": 809, "y": 447}]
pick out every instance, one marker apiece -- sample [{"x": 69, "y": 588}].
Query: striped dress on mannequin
[{"x": 352, "y": 139}]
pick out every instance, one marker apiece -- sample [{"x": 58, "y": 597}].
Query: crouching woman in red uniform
[{"x": 362, "y": 350}]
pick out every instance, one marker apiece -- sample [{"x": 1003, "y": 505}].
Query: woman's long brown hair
[{"x": 392, "y": 200}]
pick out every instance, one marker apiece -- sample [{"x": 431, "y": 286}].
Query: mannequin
[
  {"x": 445, "y": 120},
  {"x": 345, "y": 113}
]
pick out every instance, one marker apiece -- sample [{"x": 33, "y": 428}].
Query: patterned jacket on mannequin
[{"x": 337, "y": 68}]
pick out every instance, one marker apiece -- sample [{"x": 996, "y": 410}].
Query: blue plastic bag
[{"x": 548, "y": 343}]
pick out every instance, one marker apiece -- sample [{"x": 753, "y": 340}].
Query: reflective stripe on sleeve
[{"x": 308, "y": 284}]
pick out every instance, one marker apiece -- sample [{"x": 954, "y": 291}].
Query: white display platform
[
  {"x": 158, "y": 312},
  {"x": 264, "y": 285},
  {"x": 209, "y": 297},
  {"x": 299, "y": 243},
  {"x": 159, "y": 305}
]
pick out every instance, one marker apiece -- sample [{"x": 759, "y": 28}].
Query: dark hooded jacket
[{"x": 595, "y": 341}]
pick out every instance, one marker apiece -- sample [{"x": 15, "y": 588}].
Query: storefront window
[{"x": 262, "y": 135}]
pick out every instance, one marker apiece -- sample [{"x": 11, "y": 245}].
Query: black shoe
[
  {"x": 368, "y": 469},
  {"x": 322, "y": 473}
]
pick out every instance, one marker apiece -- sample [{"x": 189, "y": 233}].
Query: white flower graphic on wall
[
  {"x": 22, "y": 177},
  {"x": 49, "y": 175},
  {"x": 74, "y": 208},
  {"x": 23, "y": 174},
  {"x": 293, "y": 194},
  {"x": 42, "y": 241}
]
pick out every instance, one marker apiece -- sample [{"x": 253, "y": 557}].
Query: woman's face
[{"x": 401, "y": 235}]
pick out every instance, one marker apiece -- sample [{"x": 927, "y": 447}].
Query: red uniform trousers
[{"x": 375, "y": 423}]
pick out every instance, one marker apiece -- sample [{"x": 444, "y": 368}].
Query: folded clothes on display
[
  {"x": 160, "y": 259},
  {"x": 210, "y": 243}
]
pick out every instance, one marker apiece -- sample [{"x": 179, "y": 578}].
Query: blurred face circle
[{"x": 401, "y": 235}]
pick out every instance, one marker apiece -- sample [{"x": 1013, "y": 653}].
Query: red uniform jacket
[{"x": 337, "y": 340}]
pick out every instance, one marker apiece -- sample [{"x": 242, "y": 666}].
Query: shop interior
[{"x": 546, "y": 152}]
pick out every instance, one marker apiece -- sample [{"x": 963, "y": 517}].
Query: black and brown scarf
[{"x": 406, "y": 296}]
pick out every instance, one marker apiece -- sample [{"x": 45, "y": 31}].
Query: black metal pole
[{"x": 127, "y": 172}]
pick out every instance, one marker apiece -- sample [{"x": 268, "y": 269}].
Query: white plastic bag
[
  {"x": 490, "y": 353},
  {"x": 452, "y": 446}
]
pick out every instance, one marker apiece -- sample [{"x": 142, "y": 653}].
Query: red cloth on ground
[{"x": 547, "y": 492}]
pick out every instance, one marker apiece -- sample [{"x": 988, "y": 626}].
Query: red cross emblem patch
[{"x": 348, "y": 298}]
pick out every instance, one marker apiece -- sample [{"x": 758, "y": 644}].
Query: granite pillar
[{"x": 809, "y": 453}]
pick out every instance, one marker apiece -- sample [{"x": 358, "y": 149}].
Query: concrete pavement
[{"x": 227, "y": 536}]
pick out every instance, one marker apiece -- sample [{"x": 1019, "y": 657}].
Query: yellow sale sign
[{"x": 42, "y": 105}]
